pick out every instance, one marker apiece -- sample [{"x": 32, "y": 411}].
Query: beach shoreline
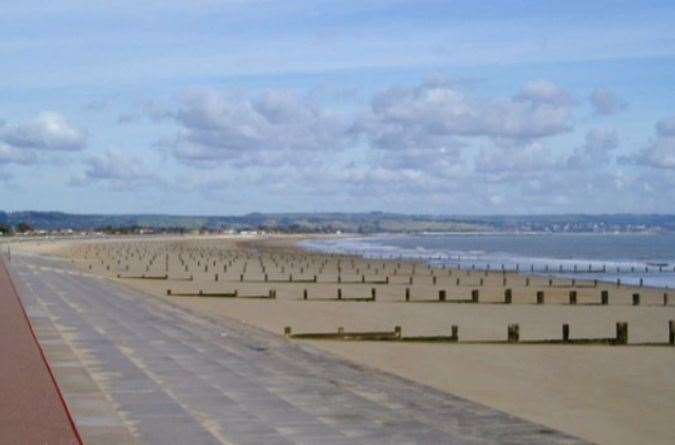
[{"x": 589, "y": 391}]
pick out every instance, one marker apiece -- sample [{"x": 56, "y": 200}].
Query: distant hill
[{"x": 370, "y": 222}]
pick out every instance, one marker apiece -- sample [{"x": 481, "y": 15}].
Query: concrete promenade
[{"x": 136, "y": 369}]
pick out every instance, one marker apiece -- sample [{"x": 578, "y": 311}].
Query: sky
[{"x": 435, "y": 107}]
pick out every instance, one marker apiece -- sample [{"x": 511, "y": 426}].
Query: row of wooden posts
[
  {"x": 204, "y": 257},
  {"x": 475, "y": 297},
  {"x": 512, "y": 336},
  {"x": 232, "y": 257},
  {"x": 442, "y": 296},
  {"x": 386, "y": 280}
]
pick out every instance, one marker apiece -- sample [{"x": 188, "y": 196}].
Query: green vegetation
[
  {"x": 23, "y": 227},
  {"x": 371, "y": 222}
]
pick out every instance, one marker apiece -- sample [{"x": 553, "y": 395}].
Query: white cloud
[
  {"x": 605, "y": 102},
  {"x": 415, "y": 116},
  {"x": 544, "y": 92},
  {"x": 597, "y": 149},
  {"x": 659, "y": 152},
  {"x": 49, "y": 131},
  {"x": 270, "y": 128},
  {"x": 533, "y": 157},
  {"x": 11, "y": 155},
  {"x": 116, "y": 170}
]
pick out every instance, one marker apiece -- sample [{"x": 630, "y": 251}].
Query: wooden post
[
  {"x": 527, "y": 282},
  {"x": 513, "y": 333},
  {"x": 441, "y": 295},
  {"x": 671, "y": 332},
  {"x": 665, "y": 299},
  {"x": 474, "y": 296},
  {"x": 573, "y": 297},
  {"x": 566, "y": 333},
  {"x": 636, "y": 299},
  {"x": 407, "y": 294},
  {"x": 304, "y": 294},
  {"x": 410, "y": 281},
  {"x": 540, "y": 297},
  {"x": 621, "y": 333},
  {"x": 397, "y": 331},
  {"x": 168, "y": 291},
  {"x": 550, "y": 282},
  {"x": 508, "y": 295},
  {"x": 287, "y": 331},
  {"x": 266, "y": 278},
  {"x": 241, "y": 277},
  {"x": 457, "y": 281},
  {"x": 504, "y": 281},
  {"x": 339, "y": 294},
  {"x": 216, "y": 277},
  {"x": 373, "y": 293},
  {"x": 454, "y": 333},
  {"x": 604, "y": 297},
  {"x": 481, "y": 282}
]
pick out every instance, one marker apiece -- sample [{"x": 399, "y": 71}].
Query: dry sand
[{"x": 606, "y": 394}]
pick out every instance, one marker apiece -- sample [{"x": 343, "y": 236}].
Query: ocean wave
[{"x": 653, "y": 272}]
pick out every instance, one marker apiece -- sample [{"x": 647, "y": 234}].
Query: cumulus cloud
[
  {"x": 659, "y": 152},
  {"x": 605, "y": 102},
  {"x": 49, "y": 131},
  {"x": 599, "y": 144},
  {"x": 404, "y": 118},
  {"x": 427, "y": 130},
  {"x": 511, "y": 161},
  {"x": 216, "y": 128},
  {"x": 115, "y": 169},
  {"x": 545, "y": 92},
  {"x": 423, "y": 128},
  {"x": 436, "y": 139},
  {"x": 11, "y": 155}
]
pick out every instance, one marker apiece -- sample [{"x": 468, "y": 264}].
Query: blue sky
[{"x": 227, "y": 107}]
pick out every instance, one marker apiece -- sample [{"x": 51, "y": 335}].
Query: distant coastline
[{"x": 336, "y": 223}]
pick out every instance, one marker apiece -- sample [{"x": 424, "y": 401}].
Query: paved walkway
[
  {"x": 141, "y": 370},
  {"x": 31, "y": 408}
]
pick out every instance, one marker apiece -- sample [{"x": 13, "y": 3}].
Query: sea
[{"x": 628, "y": 257}]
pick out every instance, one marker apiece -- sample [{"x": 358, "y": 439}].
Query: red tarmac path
[{"x": 32, "y": 409}]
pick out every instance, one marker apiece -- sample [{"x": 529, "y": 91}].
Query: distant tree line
[{"x": 22, "y": 227}]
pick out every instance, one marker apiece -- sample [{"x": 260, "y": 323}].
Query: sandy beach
[{"x": 603, "y": 393}]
